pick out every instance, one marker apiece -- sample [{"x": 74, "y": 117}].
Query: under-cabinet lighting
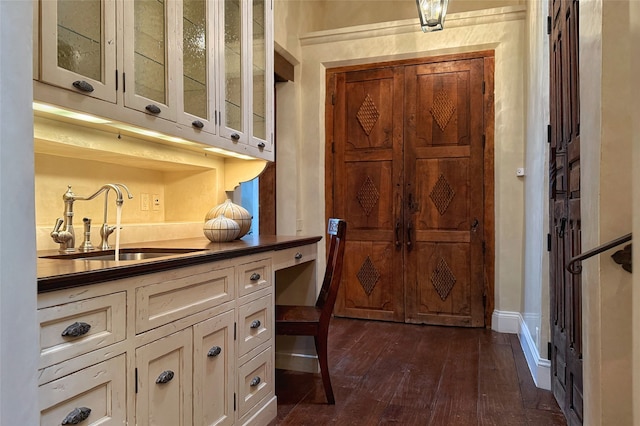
[
  {"x": 229, "y": 153},
  {"x": 69, "y": 114}
]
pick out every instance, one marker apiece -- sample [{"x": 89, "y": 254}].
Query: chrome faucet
[{"x": 63, "y": 232}]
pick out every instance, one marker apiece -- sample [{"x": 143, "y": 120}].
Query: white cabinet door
[
  {"x": 150, "y": 57},
  {"x": 164, "y": 381},
  {"x": 261, "y": 75},
  {"x": 78, "y": 46},
  {"x": 213, "y": 371},
  {"x": 197, "y": 24}
]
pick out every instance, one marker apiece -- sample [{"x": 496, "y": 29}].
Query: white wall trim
[
  {"x": 454, "y": 20},
  {"x": 540, "y": 368},
  {"x": 506, "y": 322},
  {"x": 513, "y": 323}
]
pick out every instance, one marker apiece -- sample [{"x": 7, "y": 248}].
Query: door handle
[
  {"x": 409, "y": 229},
  {"x": 563, "y": 224},
  {"x": 474, "y": 225},
  {"x": 398, "y": 234}
]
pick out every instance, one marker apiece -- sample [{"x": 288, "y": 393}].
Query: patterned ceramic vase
[
  {"x": 232, "y": 211},
  {"x": 221, "y": 229}
]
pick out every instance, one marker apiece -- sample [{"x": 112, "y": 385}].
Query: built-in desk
[{"x": 186, "y": 338}]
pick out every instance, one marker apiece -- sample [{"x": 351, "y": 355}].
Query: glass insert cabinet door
[
  {"x": 78, "y": 45},
  {"x": 246, "y": 85},
  {"x": 149, "y": 78},
  {"x": 198, "y": 25}
]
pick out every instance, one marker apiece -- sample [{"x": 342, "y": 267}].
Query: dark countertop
[{"x": 55, "y": 274}]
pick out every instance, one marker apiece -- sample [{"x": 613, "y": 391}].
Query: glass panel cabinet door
[
  {"x": 198, "y": 29},
  {"x": 149, "y": 55},
  {"x": 233, "y": 81},
  {"x": 79, "y": 46},
  {"x": 262, "y": 81}
]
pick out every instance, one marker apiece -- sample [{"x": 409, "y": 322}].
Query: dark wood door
[
  {"x": 407, "y": 175},
  {"x": 444, "y": 207},
  {"x": 564, "y": 179},
  {"x": 367, "y": 192}
]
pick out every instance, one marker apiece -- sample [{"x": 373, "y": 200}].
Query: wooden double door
[{"x": 406, "y": 169}]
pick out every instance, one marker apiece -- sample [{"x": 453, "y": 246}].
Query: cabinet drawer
[
  {"x": 100, "y": 388},
  {"x": 254, "y": 276},
  {"x": 255, "y": 381},
  {"x": 255, "y": 323},
  {"x": 178, "y": 297},
  {"x": 76, "y": 328},
  {"x": 294, "y": 256}
]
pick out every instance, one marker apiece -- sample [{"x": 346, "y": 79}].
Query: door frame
[{"x": 489, "y": 130}]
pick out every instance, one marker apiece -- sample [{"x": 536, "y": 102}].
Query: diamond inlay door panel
[
  {"x": 368, "y": 195},
  {"x": 368, "y": 115},
  {"x": 368, "y": 276},
  {"x": 443, "y": 279},
  {"x": 442, "y": 194},
  {"x": 442, "y": 109}
]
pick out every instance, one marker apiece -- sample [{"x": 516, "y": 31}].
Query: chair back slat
[{"x": 337, "y": 230}]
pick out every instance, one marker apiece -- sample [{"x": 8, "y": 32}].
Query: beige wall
[
  {"x": 332, "y": 14},
  {"x": 535, "y": 293},
  {"x": 605, "y": 117},
  {"x": 187, "y": 183}
]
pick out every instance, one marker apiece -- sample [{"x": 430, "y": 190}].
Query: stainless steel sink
[{"x": 124, "y": 254}]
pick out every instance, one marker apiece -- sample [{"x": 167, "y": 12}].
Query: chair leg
[{"x": 321, "y": 349}]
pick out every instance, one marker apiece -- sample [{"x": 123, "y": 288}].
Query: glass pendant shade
[{"x": 432, "y": 13}]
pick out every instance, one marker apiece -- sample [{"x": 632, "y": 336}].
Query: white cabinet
[
  {"x": 78, "y": 46},
  {"x": 187, "y": 346},
  {"x": 204, "y": 68}
]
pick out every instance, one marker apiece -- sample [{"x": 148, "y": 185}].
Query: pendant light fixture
[{"x": 432, "y": 13}]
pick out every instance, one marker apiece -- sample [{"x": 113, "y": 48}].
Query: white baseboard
[
  {"x": 506, "y": 322},
  {"x": 513, "y": 323}
]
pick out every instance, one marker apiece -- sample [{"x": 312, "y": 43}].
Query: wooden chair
[{"x": 314, "y": 320}]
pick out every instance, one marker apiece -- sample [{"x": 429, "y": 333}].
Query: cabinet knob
[
  {"x": 76, "y": 329},
  {"x": 255, "y": 276},
  {"x": 298, "y": 256},
  {"x": 76, "y": 416},
  {"x": 153, "y": 109},
  {"x": 261, "y": 145},
  {"x": 255, "y": 381},
  {"x": 165, "y": 377},
  {"x": 214, "y": 351},
  {"x": 83, "y": 86},
  {"x": 197, "y": 124},
  {"x": 235, "y": 136},
  {"x": 255, "y": 324}
]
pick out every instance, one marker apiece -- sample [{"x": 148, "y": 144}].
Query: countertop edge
[{"x": 120, "y": 270}]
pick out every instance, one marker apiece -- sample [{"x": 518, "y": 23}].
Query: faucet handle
[{"x": 56, "y": 227}]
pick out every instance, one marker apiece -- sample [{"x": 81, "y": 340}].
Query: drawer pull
[
  {"x": 255, "y": 276},
  {"x": 298, "y": 256},
  {"x": 255, "y": 324},
  {"x": 76, "y": 329},
  {"x": 255, "y": 381},
  {"x": 165, "y": 377},
  {"x": 153, "y": 109},
  {"x": 214, "y": 351},
  {"x": 83, "y": 86},
  {"x": 76, "y": 416}
]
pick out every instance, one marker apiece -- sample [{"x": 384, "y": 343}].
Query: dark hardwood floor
[{"x": 389, "y": 373}]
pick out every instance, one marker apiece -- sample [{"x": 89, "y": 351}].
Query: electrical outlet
[
  {"x": 144, "y": 202},
  {"x": 156, "y": 202}
]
